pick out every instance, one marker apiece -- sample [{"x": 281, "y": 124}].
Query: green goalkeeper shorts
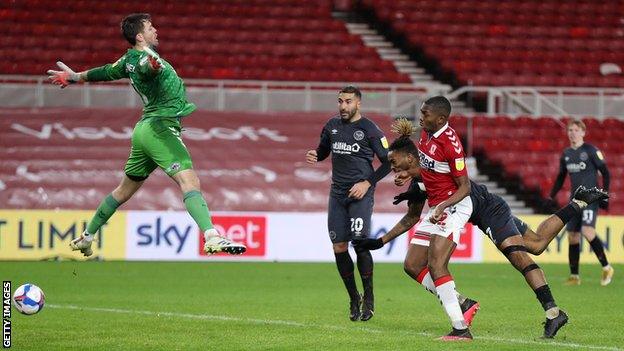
[{"x": 156, "y": 142}]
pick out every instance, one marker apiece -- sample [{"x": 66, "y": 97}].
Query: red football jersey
[{"x": 441, "y": 159}]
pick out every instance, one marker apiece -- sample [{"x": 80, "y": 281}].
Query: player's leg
[
  {"x": 415, "y": 265},
  {"x": 360, "y": 213},
  {"x": 138, "y": 167},
  {"x": 585, "y": 223},
  {"x": 440, "y": 251},
  {"x": 128, "y": 186},
  {"x": 589, "y": 232},
  {"x": 163, "y": 142},
  {"x": 574, "y": 254},
  {"x": 537, "y": 241},
  {"x": 574, "y": 250},
  {"x": 339, "y": 234},
  {"x": 513, "y": 248},
  {"x": 122, "y": 193},
  {"x": 498, "y": 223},
  {"x": 443, "y": 238}
]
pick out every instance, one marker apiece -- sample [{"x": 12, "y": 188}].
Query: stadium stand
[
  {"x": 530, "y": 43},
  {"x": 71, "y": 157},
  {"x": 529, "y": 148},
  {"x": 264, "y": 40}
]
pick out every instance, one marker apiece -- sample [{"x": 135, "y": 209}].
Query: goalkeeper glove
[
  {"x": 65, "y": 77},
  {"x": 153, "y": 59},
  {"x": 154, "y": 64},
  {"x": 368, "y": 244}
]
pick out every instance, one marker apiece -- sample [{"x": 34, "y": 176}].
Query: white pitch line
[{"x": 325, "y": 326}]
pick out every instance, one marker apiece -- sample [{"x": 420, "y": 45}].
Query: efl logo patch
[
  {"x": 174, "y": 167},
  {"x": 599, "y": 154},
  {"x": 460, "y": 164},
  {"x": 384, "y": 142}
]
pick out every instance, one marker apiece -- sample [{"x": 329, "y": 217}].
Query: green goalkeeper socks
[
  {"x": 107, "y": 207},
  {"x": 198, "y": 209},
  {"x": 193, "y": 200}
]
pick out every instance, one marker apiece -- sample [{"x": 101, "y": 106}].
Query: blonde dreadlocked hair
[{"x": 404, "y": 128}]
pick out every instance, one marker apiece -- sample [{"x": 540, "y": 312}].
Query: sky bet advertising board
[{"x": 269, "y": 236}]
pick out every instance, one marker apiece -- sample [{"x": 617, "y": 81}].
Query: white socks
[
  {"x": 88, "y": 237},
  {"x": 424, "y": 278},
  {"x": 210, "y": 233},
  {"x": 552, "y": 313},
  {"x": 445, "y": 287}
]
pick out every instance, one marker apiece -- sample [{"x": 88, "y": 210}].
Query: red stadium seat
[
  {"x": 192, "y": 33},
  {"x": 544, "y": 43}
]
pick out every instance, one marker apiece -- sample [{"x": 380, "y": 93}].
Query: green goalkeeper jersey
[{"x": 163, "y": 92}]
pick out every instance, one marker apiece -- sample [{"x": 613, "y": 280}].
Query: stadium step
[
  {"x": 517, "y": 206},
  {"x": 389, "y": 52},
  {"x": 411, "y": 70},
  {"x": 386, "y": 50}
]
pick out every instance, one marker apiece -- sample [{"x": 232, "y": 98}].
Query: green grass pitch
[{"x": 297, "y": 306}]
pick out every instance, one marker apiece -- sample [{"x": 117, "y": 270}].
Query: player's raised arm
[{"x": 67, "y": 76}]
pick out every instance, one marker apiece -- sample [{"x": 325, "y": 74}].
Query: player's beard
[{"x": 349, "y": 116}]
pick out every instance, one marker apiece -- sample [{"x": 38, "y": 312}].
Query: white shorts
[{"x": 456, "y": 218}]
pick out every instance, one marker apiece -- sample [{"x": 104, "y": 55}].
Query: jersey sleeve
[
  {"x": 324, "y": 146},
  {"x": 108, "y": 72},
  {"x": 379, "y": 145},
  {"x": 599, "y": 161},
  {"x": 597, "y": 158},
  {"x": 454, "y": 153}
]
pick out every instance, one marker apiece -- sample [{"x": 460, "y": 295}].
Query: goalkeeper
[{"x": 156, "y": 139}]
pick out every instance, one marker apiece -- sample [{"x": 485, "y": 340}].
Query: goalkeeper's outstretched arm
[{"x": 150, "y": 65}]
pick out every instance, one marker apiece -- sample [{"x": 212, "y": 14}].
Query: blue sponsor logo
[{"x": 159, "y": 234}]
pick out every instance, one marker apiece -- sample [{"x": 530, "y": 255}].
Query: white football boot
[
  {"x": 83, "y": 245},
  {"x": 216, "y": 243}
]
